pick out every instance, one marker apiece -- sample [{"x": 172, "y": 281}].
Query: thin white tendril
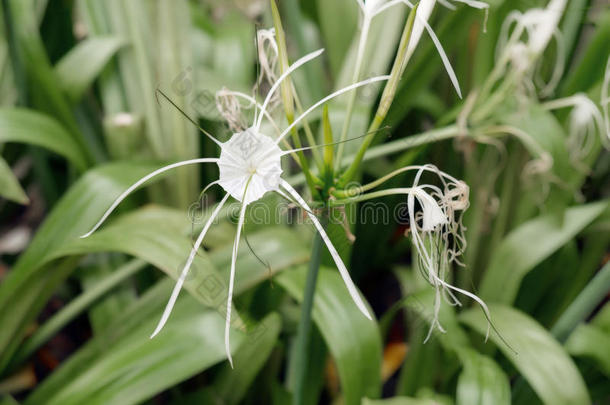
[
  {"x": 288, "y": 71},
  {"x": 435, "y": 40},
  {"x": 351, "y": 288},
  {"x": 143, "y": 180},
  {"x": 187, "y": 266},
  {"x": 325, "y": 99}
]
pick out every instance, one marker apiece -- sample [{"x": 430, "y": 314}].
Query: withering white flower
[
  {"x": 250, "y": 167},
  {"x": 539, "y": 26},
  {"x": 230, "y": 108},
  {"x": 586, "y": 123},
  {"x": 437, "y": 234},
  {"x": 435, "y": 228}
]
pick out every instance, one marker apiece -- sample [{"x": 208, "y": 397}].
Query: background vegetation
[{"x": 80, "y": 122}]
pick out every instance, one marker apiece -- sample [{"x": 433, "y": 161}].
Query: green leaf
[
  {"x": 135, "y": 367},
  {"x": 482, "y": 381},
  {"x": 77, "y": 70},
  {"x": 399, "y": 401},
  {"x": 9, "y": 185},
  {"x": 43, "y": 90},
  {"x": 352, "y": 339},
  {"x": 591, "y": 342},
  {"x": 30, "y": 283},
  {"x": 528, "y": 245},
  {"x": 545, "y": 364},
  {"x": 231, "y": 384},
  {"x": 34, "y": 128},
  {"x": 337, "y": 37}
]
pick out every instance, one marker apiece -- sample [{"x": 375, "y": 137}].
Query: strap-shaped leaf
[
  {"x": 78, "y": 69},
  {"x": 30, "y": 283},
  {"x": 352, "y": 339},
  {"x": 549, "y": 370},
  {"x": 28, "y": 126},
  {"x": 530, "y": 244},
  {"x": 9, "y": 185}
]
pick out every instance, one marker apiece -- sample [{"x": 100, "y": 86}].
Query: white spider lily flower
[
  {"x": 586, "y": 122},
  {"x": 540, "y": 25},
  {"x": 436, "y": 228},
  {"x": 471, "y": 3},
  {"x": 424, "y": 9},
  {"x": 250, "y": 167},
  {"x": 431, "y": 234}
]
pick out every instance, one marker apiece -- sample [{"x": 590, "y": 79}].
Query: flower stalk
[
  {"x": 301, "y": 352},
  {"x": 389, "y": 92}
]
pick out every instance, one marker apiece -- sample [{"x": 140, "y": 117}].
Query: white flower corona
[{"x": 249, "y": 157}]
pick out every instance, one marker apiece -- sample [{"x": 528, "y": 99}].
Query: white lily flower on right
[
  {"x": 523, "y": 46},
  {"x": 435, "y": 228}
]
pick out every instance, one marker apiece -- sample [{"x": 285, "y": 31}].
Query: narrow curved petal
[
  {"x": 187, "y": 266},
  {"x": 240, "y": 224},
  {"x": 330, "y": 96},
  {"x": 423, "y": 12},
  {"x": 143, "y": 180},
  {"x": 291, "y": 69},
  {"x": 353, "y": 291}
]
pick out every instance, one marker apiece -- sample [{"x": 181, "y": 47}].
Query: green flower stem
[
  {"x": 370, "y": 196},
  {"x": 364, "y": 33},
  {"x": 387, "y": 97},
  {"x": 301, "y": 353},
  {"x": 582, "y": 306},
  {"x": 400, "y": 145},
  {"x": 75, "y": 308}
]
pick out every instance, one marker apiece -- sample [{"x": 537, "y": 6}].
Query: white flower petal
[
  {"x": 143, "y": 180},
  {"x": 185, "y": 270},
  {"x": 353, "y": 291}
]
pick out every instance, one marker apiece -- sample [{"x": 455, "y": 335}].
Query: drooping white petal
[
  {"x": 143, "y": 180},
  {"x": 240, "y": 224},
  {"x": 353, "y": 291},
  {"x": 433, "y": 215},
  {"x": 187, "y": 266},
  {"x": 421, "y": 19}
]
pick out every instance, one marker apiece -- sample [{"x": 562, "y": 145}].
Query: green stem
[
  {"x": 582, "y": 306},
  {"x": 304, "y": 330},
  {"x": 364, "y": 33},
  {"x": 75, "y": 308}
]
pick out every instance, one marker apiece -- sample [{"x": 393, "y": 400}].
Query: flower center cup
[{"x": 250, "y": 166}]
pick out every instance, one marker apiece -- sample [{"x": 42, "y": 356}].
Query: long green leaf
[
  {"x": 399, "y": 401},
  {"x": 353, "y": 340},
  {"x": 77, "y": 70},
  {"x": 530, "y": 244},
  {"x": 482, "y": 381},
  {"x": 34, "y": 128},
  {"x": 136, "y": 367},
  {"x": 591, "y": 342},
  {"x": 9, "y": 185},
  {"x": 535, "y": 353},
  {"x": 30, "y": 283},
  {"x": 231, "y": 384}
]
